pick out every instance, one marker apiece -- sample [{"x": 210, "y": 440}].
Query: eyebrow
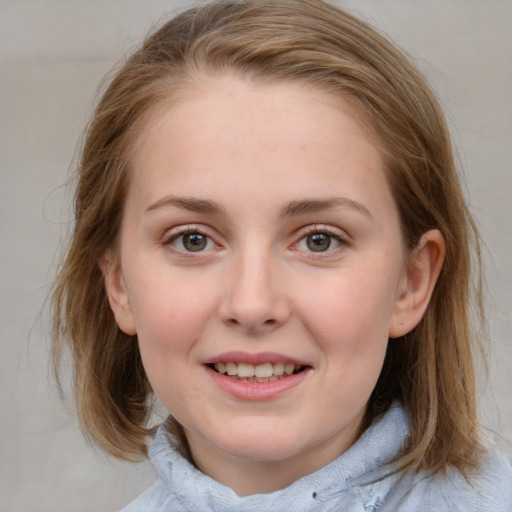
[
  {"x": 292, "y": 209},
  {"x": 188, "y": 203},
  {"x": 315, "y": 205}
]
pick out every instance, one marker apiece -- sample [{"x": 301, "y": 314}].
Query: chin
[{"x": 261, "y": 443}]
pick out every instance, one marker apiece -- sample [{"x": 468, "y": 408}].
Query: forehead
[
  {"x": 227, "y": 128},
  {"x": 234, "y": 96}
]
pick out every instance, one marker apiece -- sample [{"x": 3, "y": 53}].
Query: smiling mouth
[{"x": 266, "y": 372}]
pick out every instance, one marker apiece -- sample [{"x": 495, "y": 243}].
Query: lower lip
[{"x": 254, "y": 391}]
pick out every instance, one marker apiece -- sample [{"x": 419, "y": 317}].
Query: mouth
[{"x": 264, "y": 372}]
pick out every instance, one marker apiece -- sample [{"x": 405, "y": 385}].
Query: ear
[
  {"x": 423, "y": 268},
  {"x": 117, "y": 293}
]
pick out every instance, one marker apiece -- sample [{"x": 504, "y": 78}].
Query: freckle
[{"x": 314, "y": 494}]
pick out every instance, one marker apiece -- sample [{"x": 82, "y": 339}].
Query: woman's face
[{"x": 259, "y": 239}]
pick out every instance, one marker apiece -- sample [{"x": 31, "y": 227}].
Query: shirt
[{"x": 360, "y": 480}]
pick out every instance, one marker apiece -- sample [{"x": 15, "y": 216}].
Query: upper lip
[{"x": 254, "y": 358}]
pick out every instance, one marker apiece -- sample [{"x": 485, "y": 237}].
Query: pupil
[
  {"x": 318, "y": 242},
  {"x": 194, "y": 242}
]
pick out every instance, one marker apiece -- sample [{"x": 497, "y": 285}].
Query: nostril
[
  {"x": 252, "y": 324},
  {"x": 253, "y": 316}
]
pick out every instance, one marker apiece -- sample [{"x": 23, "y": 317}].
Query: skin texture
[{"x": 258, "y": 169}]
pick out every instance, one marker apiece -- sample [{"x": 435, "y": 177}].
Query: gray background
[{"x": 53, "y": 54}]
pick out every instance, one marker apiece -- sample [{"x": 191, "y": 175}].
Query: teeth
[
  {"x": 231, "y": 368},
  {"x": 262, "y": 370},
  {"x": 278, "y": 369},
  {"x": 266, "y": 372},
  {"x": 289, "y": 368},
  {"x": 245, "y": 370}
]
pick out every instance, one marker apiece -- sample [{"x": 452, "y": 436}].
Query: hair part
[{"x": 430, "y": 370}]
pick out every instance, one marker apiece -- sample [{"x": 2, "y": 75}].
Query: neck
[{"x": 246, "y": 476}]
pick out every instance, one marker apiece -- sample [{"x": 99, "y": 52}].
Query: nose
[{"x": 254, "y": 300}]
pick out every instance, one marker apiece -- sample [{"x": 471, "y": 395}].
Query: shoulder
[
  {"x": 154, "y": 499},
  {"x": 489, "y": 489}
]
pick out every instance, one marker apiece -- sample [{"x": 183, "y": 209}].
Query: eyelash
[
  {"x": 304, "y": 234},
  {"x": 189, "y": 230},
  {"x": 322, "y": 230}
]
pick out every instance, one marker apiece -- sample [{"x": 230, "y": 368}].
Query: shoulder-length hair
[{"x": 430, "y": 371}]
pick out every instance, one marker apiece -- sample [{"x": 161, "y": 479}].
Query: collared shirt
[{"x": 360, "y": 480}]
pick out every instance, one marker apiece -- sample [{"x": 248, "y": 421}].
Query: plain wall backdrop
[{"x": 53, "y": 54}]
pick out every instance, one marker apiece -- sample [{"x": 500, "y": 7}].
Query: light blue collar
[{"x": 364, "y": 462}]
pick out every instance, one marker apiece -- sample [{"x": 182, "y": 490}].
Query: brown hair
[{"x": 431, "y": 372}]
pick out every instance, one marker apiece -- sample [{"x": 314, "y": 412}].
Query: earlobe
[
  {"x": 117, "y": 293},
  {"x": 423, "y": 269}
]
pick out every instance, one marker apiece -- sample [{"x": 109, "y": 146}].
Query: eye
[
  {"x": 191, "y": 241},
  {"x": 320, "y": 241}
]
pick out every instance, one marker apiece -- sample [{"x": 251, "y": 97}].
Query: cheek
[
  {"x": 170, "y": 317},
  {"x": 170, "y": 313},
  {"x": 355, "y": 307}
]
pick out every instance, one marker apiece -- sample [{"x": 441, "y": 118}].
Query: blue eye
[{"x": 192, "y": 242}]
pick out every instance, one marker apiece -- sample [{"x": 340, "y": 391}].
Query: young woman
[{"x": 270, "y": 237}]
